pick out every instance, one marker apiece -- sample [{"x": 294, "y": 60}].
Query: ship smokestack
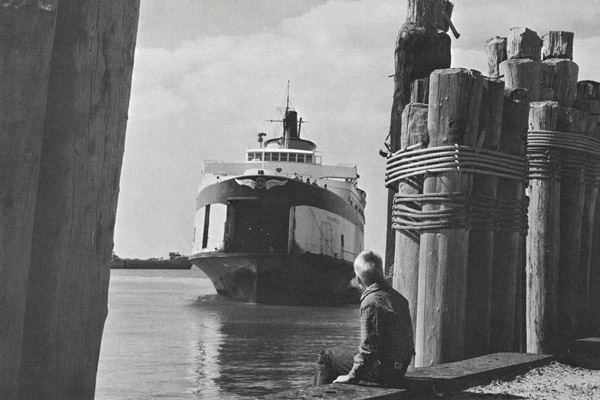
[{"x": 291, "y": 124}]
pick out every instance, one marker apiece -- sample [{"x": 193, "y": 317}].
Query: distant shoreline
[{"x": 174, "y": 262}]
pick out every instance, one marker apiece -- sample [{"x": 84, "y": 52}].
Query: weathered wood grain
[
  {"x": 508, "y": 266},
  {"x": 557, "y": 44},
  {"x": 496, "y": 53},
  {"x": 559, "y": 81},
  {"x": 523, "y": 73},
  {"x": 422, "y": 46},
  {"x": 523, "y": 43},
  {"x": 406, "y": 261},
  {"x": 543, "y": 245},
  {"x": 26, "y": 39},
  {"x": 481, "y": 242},
  {"x": 84, "y": 132},
  {"x": 454, "y": 106}
]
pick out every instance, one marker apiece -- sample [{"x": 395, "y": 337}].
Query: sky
[{"x": 209, "y": 73}]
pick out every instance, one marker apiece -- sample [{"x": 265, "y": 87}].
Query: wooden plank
[
  {"x": 340, "y": 392},
  {"x": 26, "y": 40},
  {"x": 84, "y": 133},
  {"x": 475, "y": 371},
  {"x": 481, "y": 242},
  {"x": 589, "y": 346},
  {"x": 454, "y": 106}
]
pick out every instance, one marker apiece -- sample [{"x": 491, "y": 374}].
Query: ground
[{"x": 556, "y": 381}]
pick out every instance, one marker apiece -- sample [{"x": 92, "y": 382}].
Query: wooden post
[
  {"x": 406, "y": 263},
  {"x": 422, "y": 46},
  {"x": 84, "y": 132},
  {"x": 481, "y": 242},
  {"x": 594, "y": 299},
  {"x": 454, "y": 106},
  {"x": 559, "y": 73},
  {"x": 557, "y": 44},
  {"x": 543, "y": 242},
  {"x": 496, "y": 53},
  {"x": 588, "y": 98},
  {"x": 559, "y": 81},
  {"x": 523, "y": 67},
  {"x": 26, "y": 38},
  {"x": 508, "y": 268}
]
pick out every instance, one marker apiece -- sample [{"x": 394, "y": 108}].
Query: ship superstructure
[{"x": 280, "y": 227}]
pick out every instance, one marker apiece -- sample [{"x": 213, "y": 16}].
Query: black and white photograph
[{"x": 298, "y": 199}]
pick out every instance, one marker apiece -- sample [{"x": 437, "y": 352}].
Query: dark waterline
[{"x": 168, "y": 336}]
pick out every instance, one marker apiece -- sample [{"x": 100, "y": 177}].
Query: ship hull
[{"x": 286, "y": 279}]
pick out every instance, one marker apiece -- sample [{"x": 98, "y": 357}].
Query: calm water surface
[{"x": 168, "y": 336}]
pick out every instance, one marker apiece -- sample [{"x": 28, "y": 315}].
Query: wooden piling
[
  {"x": 26, "y": 40},
  {"x": 523, "y": 43},
  {"x": 406, "y": 262},
  {"x": 422, "y": 46},
  {"x": 559, "y": 81},
  {"x": 588, "y": 99},
  {"x": 86, "y": 116},
  {"x": 481, "y": 241},
  {"x": 523, "y": 67},
  {"x": 508, "y": 268},
  {"x": 454, "y": 106},
  {"x": 543, "y": 241},
  {"x": 496, "y": 53},
  {"x": 557, "y": 44}
]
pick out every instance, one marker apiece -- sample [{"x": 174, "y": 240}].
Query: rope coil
[
  {"x": 458, "y": 210},
  {"x": 557, "y": 155},
  {"x": 466, "y": 159}
]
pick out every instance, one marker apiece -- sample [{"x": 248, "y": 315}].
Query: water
[{"x": 169, "y": 336}]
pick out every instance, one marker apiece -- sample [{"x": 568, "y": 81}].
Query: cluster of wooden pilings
[
  {"x": 65, "y": 76},
  {"x": 496, "y": 210}
]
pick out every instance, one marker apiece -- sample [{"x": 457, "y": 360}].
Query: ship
[{"x": 280, "y": 227}]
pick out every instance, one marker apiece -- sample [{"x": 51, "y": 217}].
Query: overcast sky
[{"x": 208, "y": 73}]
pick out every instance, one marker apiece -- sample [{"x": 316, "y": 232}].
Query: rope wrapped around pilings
[
  {"x": 461, "y": 159},
  {"x": 558, "y": 155},
  {"x": 459, "y": 210}
]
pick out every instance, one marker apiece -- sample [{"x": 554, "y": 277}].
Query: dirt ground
[{"x": 569, "y": 378}]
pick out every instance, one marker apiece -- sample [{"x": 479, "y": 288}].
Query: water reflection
[{"x": 253, "y": 350}]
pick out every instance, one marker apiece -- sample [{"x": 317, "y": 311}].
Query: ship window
[
  {"x": 301, "y": 158},
  {"x": 267, "y": 156},
  {"x": 250, "y": 156},
  {"x": 309, "y": 158},
  {"x": 275, "y": 157},
  {"x": 292, "y": 158},
  {"x": 214, "y": 227},
  {"x": 257, "y": 156},
  {"x": 284, "y": 157}
]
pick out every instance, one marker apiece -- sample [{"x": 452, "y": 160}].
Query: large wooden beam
[
  {"x": 454, "y": 106},
  {"x": 26, "y": 39},
  {"x": 86, "y": 116},
  {"x": 508, "y": 271},
  {"x": 422, "y": 46},
  {"x": 481, "y": 241},
  {"x": 406, "y": 262},
  {"x": 543, "y": 244}
]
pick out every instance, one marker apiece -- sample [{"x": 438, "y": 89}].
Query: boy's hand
[{"x": 343, "y": 379}]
